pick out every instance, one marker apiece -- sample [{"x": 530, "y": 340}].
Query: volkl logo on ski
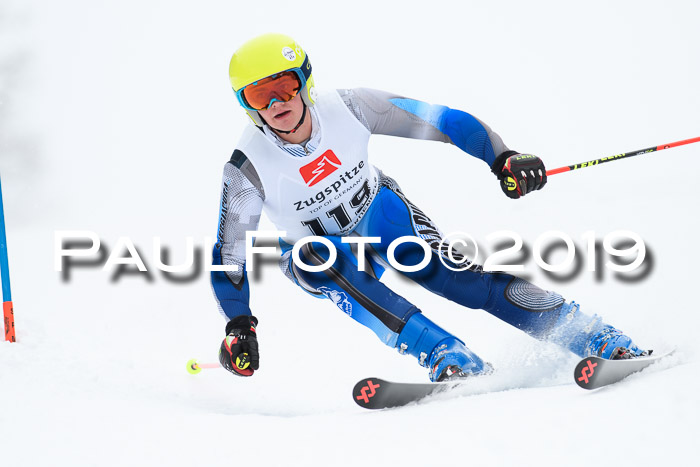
[
  {"x": 370, "y": 387},
  {"x": 587, "y": 371}
]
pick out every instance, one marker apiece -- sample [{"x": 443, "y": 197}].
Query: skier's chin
[{"x": 284, "y": 123}]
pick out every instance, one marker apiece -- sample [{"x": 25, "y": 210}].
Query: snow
[{"x": 117, "y": 118}]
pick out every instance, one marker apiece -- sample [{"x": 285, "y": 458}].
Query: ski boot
[
  {"x": 612, "y": 344},
  {"x": 451, "y": 359},
  {"x": 446, "y": 356},
  {"x": 586, "y": 335}
]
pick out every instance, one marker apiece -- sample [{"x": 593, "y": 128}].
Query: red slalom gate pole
[
  {"x": 583, "y": 165},
  {"x": 7, "y": 309}
]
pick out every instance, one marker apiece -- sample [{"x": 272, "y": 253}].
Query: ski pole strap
[{"x": 582, "y": 165}]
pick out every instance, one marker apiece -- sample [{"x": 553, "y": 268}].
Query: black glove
[
  {"x": 519, "y": 173},
  {"x": 240, "y": 339}
]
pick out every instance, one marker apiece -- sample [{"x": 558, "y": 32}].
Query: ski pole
[
  {"x": 193, "y": 367},
  {"x": 242, "y": 362},
  {"x": 7, "y": 309},
  {"x": 582, "y": 165}
]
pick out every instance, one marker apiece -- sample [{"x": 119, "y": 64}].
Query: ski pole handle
[{"x": 582, "y": 165}]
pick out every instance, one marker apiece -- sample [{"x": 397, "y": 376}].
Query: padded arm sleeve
[
  {"x": 389, "y": 114},
  {"x": 241, "y": 205}
]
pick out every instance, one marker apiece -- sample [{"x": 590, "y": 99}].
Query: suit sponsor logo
[
  {"x": 320, "y": 168},
  {"x": 339, "y": 298},
  {"x": 342, "y": 183}
]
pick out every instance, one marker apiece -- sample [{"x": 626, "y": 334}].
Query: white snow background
[{"x": 117, "y": 117}]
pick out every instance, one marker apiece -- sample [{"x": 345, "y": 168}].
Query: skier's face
[{"x": 284, "y": 115}]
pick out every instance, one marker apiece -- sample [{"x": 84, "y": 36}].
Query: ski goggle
[{"x": 282, "y": 87}]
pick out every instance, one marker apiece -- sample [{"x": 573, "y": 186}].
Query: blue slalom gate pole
[{"x": 7, "y": 310}]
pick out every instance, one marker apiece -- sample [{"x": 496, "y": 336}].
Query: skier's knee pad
[
  {"x": 530, "y": 297},
  {"x": 523, "y": 305}
]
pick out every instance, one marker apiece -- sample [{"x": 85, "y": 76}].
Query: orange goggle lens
[{"x": 282, "y": 87}]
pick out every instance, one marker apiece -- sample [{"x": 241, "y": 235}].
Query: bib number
[{"x": 339, "y": 213}]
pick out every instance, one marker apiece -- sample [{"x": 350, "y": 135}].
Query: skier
[{"x": 305, "y": 161}]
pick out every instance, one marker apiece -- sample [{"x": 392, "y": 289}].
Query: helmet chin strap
[{"x": 301, "y": 122}]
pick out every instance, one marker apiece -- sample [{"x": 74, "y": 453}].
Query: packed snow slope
[{"x": 117, "y": 118}]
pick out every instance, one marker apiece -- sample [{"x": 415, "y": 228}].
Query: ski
[
  {"x": 375, "y": 393},
  {"x": 590, "y": 373},
  {"x": 596, "y": 372}
]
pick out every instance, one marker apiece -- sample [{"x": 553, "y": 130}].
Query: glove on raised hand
[{"x": 519, "y": 174}]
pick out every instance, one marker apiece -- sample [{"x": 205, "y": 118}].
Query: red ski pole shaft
[
  {"x": 582, "y": 165},
  {"x": 208, "y": 365},
  {"x": 194, "y": 367}
]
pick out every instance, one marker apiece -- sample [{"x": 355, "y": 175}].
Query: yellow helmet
[{"x": 267, "y": 55}]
